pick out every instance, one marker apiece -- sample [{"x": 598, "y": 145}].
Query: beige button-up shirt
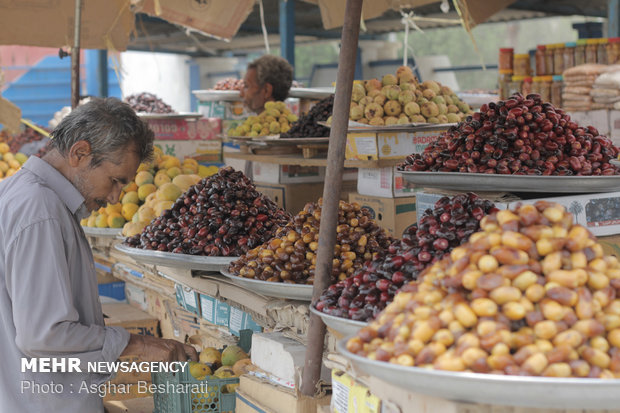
[{"x": 49, "y": 302}]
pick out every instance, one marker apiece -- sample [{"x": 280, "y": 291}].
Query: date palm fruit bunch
[
  {"x": 532, "y": 293},
  {"x": 275, "y": 119},
  {"x": 402, "y": 99},
  {"x": 10, "y": 162},
  {"x": 290, "y": 256}
]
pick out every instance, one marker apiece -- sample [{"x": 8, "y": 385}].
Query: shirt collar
[{"x": 65, "y": 190}]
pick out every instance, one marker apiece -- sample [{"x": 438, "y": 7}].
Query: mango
[
  {"x": 168, "y": 192},
  {"x": 232, "y": 354},
  {"x": 211, "y": 357},
  {"x": 8, "y": 156},
  {"x": 21, "y": 158},
  {"x": 143, "y": 178},
  {"x": 170, "y": 162},
  {"x": 92, "y": 221},
  {"x": 101, "y": 220},
  {"x": 174, "y": 171},
  {"x": 10, "y": 172},
  {"x": 224, "y": 372},
  {"x": 189, "y": 169},
  {"x": 128, "y": 210},
  {"x": 145, "y": 214},
  {"x": 115, "y": 220},
  {"x": 161, "y": 206},
  {"x": 84, "y": 222},
  {"x": 130, "y": 197},
  {"x": 14, "y": 163},
  {"x": 242, "y": 366},
  {"x": 131, "y": 186},
  {"x": 184, "y": 182},
  {"x": 131, "y": 228},
  {"x": 145, "y": 190},
  {"x": 160, "y": 179},
  {"x": 199, "y": 371},
  {"x": 144, "y": 167},
  {"x": 4, "y": 148},
  {"x": 4, "y": 166},
  {"x": 111, "y": 208}
]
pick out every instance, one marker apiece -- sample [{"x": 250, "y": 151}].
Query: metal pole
[
  {"x": 287, "y": 30},
  {"x": 75, "y": 56},
  {"x": 613, "y": 18},
  {"x": 331, "y": 191}
]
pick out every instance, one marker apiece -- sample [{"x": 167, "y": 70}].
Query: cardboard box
[
  {"x": 614, "y": 126},
  {"x": 610, "y": 244},
  {"x": 185, "y": 129},
  {"x": 103, "y": 268},
  {"x": 385, "y": 182},
  {"x": 202, "y": 151},
  {"x": 273, "y": 398},
  {"x": 187, "y": 299},
  {"x": 282, "y": 357},
  {"x": 136, "y": 296},
  {"x": 374, "y": 145},
  {"x": 293, "y": 197},
  {"x": 348, "y": 396},
  {"x": 132, "y": 319},
  {"x": 599, "y": 213},
  {"x": 224, "y": 110},
  {"x": 395, "y": 215},
  {"x": 140, "y": 405},
  {"x": 272, "y": 173},
  {"x": 114, "y": 290}
]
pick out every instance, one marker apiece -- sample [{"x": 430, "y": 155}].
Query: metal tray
[
  {"x": 285, "y": 141},
  {"x": 170, "y": 116},
  {"x": 171, "y": 259},
  {"x": 272, "y": 289},
  {"x": 311, "y": 93},
  {"x": 344, "y": 326},
  {"x": 217, "y": 95},
  {"x": 541, "y": 392},
  {"x": 102, "y": 232},
  {"x": 513, "y": 183}
]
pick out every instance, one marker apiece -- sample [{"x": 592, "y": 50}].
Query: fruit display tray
[
  {"x": 217, "y": 95},
  {"x": 102, "y": 232},
  {"x": 540, "y": 392},
  {"x": 343, "y": 326},
  {"x": 171, "y": 259},
  {"x": 513, "y": 183},
  {"x": 311, "y": 93},
  {"x": 268, "y": 141},
  {"x": 170, "y": 116},
  {"x": 272, "y": 289}
]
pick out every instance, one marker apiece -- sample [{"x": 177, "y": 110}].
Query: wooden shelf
[{"x": 298, "y": 159}]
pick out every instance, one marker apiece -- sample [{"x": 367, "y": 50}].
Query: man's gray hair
[
  {"x": 108, "y": 125},
  {"x": 275, "y": 71}
]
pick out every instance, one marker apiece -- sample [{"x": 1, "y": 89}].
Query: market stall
[{"x": 248, "y": 266}]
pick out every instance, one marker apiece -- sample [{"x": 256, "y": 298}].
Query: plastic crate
[{"x": 188, "y": 402}]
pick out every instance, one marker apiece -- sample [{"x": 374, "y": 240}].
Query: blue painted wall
[{"x": 46, "y": 88}]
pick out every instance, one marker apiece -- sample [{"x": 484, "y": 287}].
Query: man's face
[
  {"x": 254, "y": 96},
  {"x": 103, "y": 183}
]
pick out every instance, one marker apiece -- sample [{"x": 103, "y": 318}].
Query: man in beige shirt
[{"x": 49, "y": 304}]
